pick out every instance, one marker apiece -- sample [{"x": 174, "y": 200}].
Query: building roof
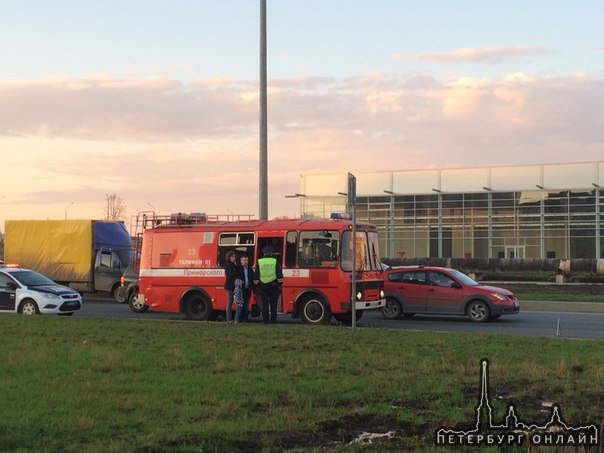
[{"x": 576, "y": 176}]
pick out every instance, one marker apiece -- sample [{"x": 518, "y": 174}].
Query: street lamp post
[
  {"x": 352, "y": 202},
  {"x": 297, "y": 195},
  {"x": 391, "y": 224},
  {"x": 66, "y": 209}
]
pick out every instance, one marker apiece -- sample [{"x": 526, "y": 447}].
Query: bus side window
[
  {"x": 305, "y": 256},
  {"x": 291, "y": 246}
]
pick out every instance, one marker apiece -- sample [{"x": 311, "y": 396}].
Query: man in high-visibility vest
[{"x": 268, "y": 277}]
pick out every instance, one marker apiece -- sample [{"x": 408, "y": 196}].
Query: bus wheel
[
  {"x": 135, "y": 304},
  {"x": 197, "y": 307},
  {"x": 314, "y": 310},
  {"x": 346, "y": 318}
]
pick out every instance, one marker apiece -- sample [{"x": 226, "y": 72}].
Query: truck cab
[{"x": 109, "y": 267}]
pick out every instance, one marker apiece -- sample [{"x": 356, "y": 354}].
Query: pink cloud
[{"x": 490, "y": 55}]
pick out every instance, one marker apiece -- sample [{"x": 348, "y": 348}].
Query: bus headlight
[
  {"x": 381, "y": 293},
  {"x": 359, "y": 295}
]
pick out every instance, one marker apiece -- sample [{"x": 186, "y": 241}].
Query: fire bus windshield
[{"x": 367, "y": 254}]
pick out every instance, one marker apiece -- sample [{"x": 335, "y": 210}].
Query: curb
[{"x": 574, "y": 307}]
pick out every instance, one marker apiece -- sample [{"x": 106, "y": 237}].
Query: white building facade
[{"x": 524, "y": 211}]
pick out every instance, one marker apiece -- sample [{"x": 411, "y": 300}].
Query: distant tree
[{"x": 115, "y": 208}]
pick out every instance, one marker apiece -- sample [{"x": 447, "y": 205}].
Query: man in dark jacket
[
  {"x": 268, "y": 277},
  {"x": 230, "y": 274}
]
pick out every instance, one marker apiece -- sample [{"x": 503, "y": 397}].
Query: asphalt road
[{"x": 533, "y": 323}]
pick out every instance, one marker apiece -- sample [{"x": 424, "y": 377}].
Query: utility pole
[{"x": 263, "y": 171}]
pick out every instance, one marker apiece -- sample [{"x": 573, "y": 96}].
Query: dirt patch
[{"x": 352, "y": 433}]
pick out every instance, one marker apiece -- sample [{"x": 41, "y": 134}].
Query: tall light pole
[{"x": 263, "y": 171}]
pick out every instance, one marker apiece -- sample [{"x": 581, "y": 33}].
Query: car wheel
[
  {"x": 314, "y": 310},
  {"x": 135, "y": 305},
  {"x": 478, "y": 311},
  {"x": 29, "y": 307},
  {"x": 197, "y": 307},
  {"x": 346, "y": 318},
  {"x": 392, "y": 309}
]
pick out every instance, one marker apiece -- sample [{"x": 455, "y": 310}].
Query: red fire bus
[{"x": 182, "y": 259}]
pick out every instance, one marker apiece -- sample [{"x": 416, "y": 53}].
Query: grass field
[{"x": 85, "y": 385}]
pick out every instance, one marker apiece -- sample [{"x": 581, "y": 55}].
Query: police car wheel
[
  {"x": 314, "y": 310},
  {"x": 29, "y": 307}
]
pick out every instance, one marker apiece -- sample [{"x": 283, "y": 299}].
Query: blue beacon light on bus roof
[{"x": 340, "y": 216}]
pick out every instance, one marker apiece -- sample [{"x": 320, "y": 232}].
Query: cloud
[
  {"x": 106, "y": 109},
  {"x": 491, "y": 55},
  {"x": 193, "y": 147}
]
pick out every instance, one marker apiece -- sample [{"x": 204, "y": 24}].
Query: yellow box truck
[{"x": 87, "y": 255}]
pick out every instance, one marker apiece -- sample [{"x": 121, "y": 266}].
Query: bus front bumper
[{"x": 364, "y": 304}]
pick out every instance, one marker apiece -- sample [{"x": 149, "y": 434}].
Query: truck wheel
[
  {"x": 135, "y": 305},
  {"x": 478, "y": 311},
  {"x": 29, "y": 307},
  {"x": 115, "y": 294},
  {"x": 314, "y": 310},
  {"x": 118, "y": 297},
  {"x": 392, "y": 309},
  {"x": 197, "y": 307}
]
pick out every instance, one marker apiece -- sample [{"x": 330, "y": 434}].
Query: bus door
[
  {"x": 272, "y": 245},
  {"x": 291, "y": 249}
]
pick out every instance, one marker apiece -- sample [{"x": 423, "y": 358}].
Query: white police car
[{"x": 29, "y": 292}]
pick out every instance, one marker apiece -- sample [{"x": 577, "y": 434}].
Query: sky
[{"x": 158, "y": 101}]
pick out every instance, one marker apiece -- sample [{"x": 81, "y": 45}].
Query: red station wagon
[{"x": 413, "y": 290}]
